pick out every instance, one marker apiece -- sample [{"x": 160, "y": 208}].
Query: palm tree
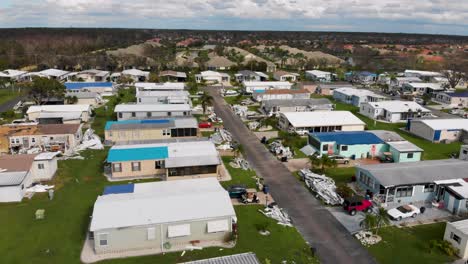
[
  {"x": 382, "y": 219},
  {"x": 205, "y": 101},
  {"x": 238, "y": 150},
  {"x": 323, "y": 162},
  {"x": 369, "y": 222}
]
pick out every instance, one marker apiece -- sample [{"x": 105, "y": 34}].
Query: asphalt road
[
  {"x": 332, "y": 242},
  {"x": 9, "y": 104}
]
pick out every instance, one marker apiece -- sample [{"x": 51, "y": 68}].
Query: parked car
[
  {"x": 403, "y": 211},
  {"x": 205, "y": 125},
  {"x": 250, "y": 196},
  {"x": 357, "y": 203},
  {"x": 419, "y": 101},
  {"x": 340, "y": 159},
  {"x": 237, "y": 191}
]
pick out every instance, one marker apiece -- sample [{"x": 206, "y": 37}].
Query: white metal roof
[
  {"x": 162, "y": 202},
  {"x": 9, "y": 178},
  {"x": 151, "y": 107},
  {"x": 331, "y": 118},
  {"x": 443, "y": 124},
  {"x": 160, "y": 86},
  {"x": 357, "y": 92},
  {"x": 53, "y": 72},
  {"x": 267, "y": 84},
  {"x": 206, "y": 74},
  {"x": 11, "y": 73},
  {"x": 423, "y": 73},
  {"x": 319, "y": 73},
  {"x": 399, "y": 106},
  {"x": 433, "y": 86},
  {"x": 404, "y": 146},
  {"x": 59, "y": 108},
  {"x": 135, "y": 72},
  {"x": 46, "y": 155},
  {"x": 172, "y": 93},
  {"x": 461, "y": 225}
]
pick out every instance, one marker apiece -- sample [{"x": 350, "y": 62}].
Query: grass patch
[
  {"x": 8, "y": 94},
  {"x": 207, "y": 133},
  {"x": 239, "y": 176},
  {"x": 410, "y": 245},
  {"x": 232, "y": 100},
  {"x": 341, "y": 175},
  {"x": 253, "y": 108}
]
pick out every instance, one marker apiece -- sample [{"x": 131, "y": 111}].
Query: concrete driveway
[
  {"x": 350, "y": 222},
  {"x": 332, "y": 242}
]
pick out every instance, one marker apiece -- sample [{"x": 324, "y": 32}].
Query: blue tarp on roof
[
  {"x": 115, "y": 189},
  {"x": 259, "y": 91},
  {"x": 349, "y": 138},
  {"x": 81, "y": 85},
  {"x": 109, "y": 124},
  {"x": 128, "y": 154}
]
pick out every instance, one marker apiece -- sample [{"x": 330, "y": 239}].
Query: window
[
  {"x": 465, "y": 151},
  {"x": 133, "y": 114},
  {"x": 33, "y": 140},
  {"x": 410, "y": 155},
  {"x": 178, "y": 230},
  {"x": 218, "y": 226},
  {"x": 366, "y": 180},
  {"x": 103, "y": 240},
  {"x": 344, "y": 148},
  {"x": 166, "y": 132},
  {"x": 148, "y": 114},
  {"x": 40, "y": 166},
  {"x": 151, "y": 233},
  {"x": 136, "y": 166},
  {"x": 120, "y": 115},
  {"x": 404, "y": 192},
  {"x": 429, "y": 187},
  {"x": 169, "y": 113},
  {"x": 159, "y": 164},
  {"x": 325, "y": 147},
  {"x": 17, "y": 141},
  {"x": 455, "y": 238},
  {"x": 12, "y": 141},
  {"x": 117, "y": 167}
]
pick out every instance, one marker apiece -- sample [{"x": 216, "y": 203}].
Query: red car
[
  {"x": 357, "y": 203},
  {"x": 205, "y": 125}
]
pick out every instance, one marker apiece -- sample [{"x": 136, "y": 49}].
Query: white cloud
[{"x": 125, "y": 13}]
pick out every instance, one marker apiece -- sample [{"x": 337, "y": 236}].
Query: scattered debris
[
  {"x": 183, "y": 253},
  {"x": 278, "y": 214},
  {"x": 40, "y": 214},
  {"x": 240, "y": 110},
  {"x": 277, "y": 148},
  {"x": 221, "y": 136},
  {"x": 90, "y": 141},
  {"x": 323, "y": 186},
  {"x": 240, "y": 163},
  {"x": 367, "y": 238},
  {"x": 39, "y": 188},
  {"x": 254, "y": 125},
  {"x": 193, "y": 247},
  {"x": 224, "y": 147}
]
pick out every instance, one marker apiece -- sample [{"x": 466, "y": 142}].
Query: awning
[
  {"x": 178, "y": 230},
  {"x": 218, "y": 226},
  {"x": 308, "y": 150}
]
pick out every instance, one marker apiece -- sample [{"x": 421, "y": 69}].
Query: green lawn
[
  {"x": 7, "y": 94},
  {"x": 207, "y": 133},
  {"x": 232, "y": 100},
  {"x": 341, "y": 175},
  {"x": 409, "y": 245},
  {"x": 239, "y": 176}
]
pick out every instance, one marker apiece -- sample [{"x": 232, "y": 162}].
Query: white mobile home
[
  {"x": 163, "y": 97},
  {"x": 457, "y": 234},
  {"x": 162, "y": 215},
  {"x": 167, "y": 86},
  {"x": 320, "y": 122},
  {"x": 439, "y": 130},
  {"x": 81, "y": 111},
  {"x": 149, "y": 111},
  {"x": 251, "y": 87},
  {"x": 320, "y": 76},
  {"x": 356, "y": 96},
  {"x": 393, "y": 111},
  {"x": 136, "y": 75},
  {"x": 212, "y": 77}
]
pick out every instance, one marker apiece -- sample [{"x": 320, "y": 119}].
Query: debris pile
[
  {"x": 277, "y": 148},
  {"x": 278, "y": 214},
  {"x": 90, "y": 141},
  {"x": 247, "y": 101},
  {"x": 239, "y": 163},
  {"x": 39, "y": 188},
  {"x": 212, "y": 117},
  {"x": 367, "y": 238},
  {"x": 254, "y": 125},
  {"x": 323, "y": 186},
  {"x": 240, "y": 110},
  {"x": 221, "y": 136}
]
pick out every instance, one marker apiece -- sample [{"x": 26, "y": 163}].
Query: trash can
[{"x": 266, "y": 189}]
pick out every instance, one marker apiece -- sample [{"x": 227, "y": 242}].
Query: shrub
[
  {"x": 344, "y": 190},
  {"x": 262, "y": 226}
]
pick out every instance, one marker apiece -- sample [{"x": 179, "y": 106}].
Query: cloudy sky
[{"x": 413, "y": 16}]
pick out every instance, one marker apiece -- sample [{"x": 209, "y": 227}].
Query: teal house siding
[{"x": 404, "y": 156}]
